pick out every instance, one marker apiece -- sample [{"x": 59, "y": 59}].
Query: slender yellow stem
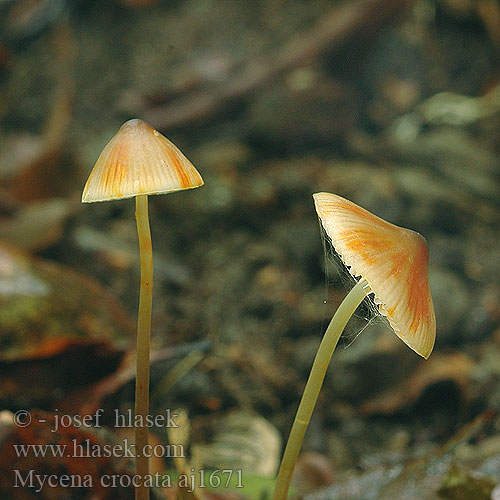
[
  {"x": 313, "y": 386},
  {"x": 143, "y": 334}
]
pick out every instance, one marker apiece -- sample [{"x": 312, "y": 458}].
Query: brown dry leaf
[
  {"x": 76, "y": 364},
  {"x": 89, "y": 473},
  {"x": 454, "y": 367},
  {"x": 43, "y": 302},
  {"x": 37, "y": 225},
  {"x": 52, "y": 316},
  {"x": 88, "y": 399}
]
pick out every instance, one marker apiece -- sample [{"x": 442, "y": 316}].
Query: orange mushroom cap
[
  {"x": 139, "y": 160},
  {"x": 391, "y": 259}
]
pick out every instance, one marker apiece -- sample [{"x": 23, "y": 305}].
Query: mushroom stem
[
  {"x": 143, "y": 335},
  {"x": 313, "y": 386}
]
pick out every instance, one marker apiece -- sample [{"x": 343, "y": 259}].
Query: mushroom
[
  {"x": 136, "y": 162},
  {"x": 389, "y": 264}
]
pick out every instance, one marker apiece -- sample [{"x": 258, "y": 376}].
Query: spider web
[{"x": 338, "y": 277}]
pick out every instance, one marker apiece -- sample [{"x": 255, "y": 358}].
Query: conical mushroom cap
[
  {"x": 391, "y": 259},
  {"x": 139, "y": 160}
]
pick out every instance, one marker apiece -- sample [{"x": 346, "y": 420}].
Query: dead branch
[{"x": 329, "y": 35}]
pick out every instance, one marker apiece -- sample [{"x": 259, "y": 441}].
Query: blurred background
[{"x": 393, "y": 104}]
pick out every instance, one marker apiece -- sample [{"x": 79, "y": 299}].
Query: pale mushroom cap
[
  {"x": 391, "y": 259},
  {"x": 139, "y": 160}
]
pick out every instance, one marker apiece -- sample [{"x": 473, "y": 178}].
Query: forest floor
[{"x": 393, "y": 105}]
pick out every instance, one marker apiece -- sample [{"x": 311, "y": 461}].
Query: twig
[
  {"x": 87, "y": 400},
  {"x": 329, "y": 34}
]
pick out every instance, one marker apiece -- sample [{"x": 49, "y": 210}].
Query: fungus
[
  {"x": 136, "y": 162},
  {"x": 389, "y": 264}
]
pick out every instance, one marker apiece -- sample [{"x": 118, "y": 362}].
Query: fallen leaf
[
  {"x": 57, "y": 327},
  {"x": 455, "y": 367},
  {"x": 70, "y": 452}
]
